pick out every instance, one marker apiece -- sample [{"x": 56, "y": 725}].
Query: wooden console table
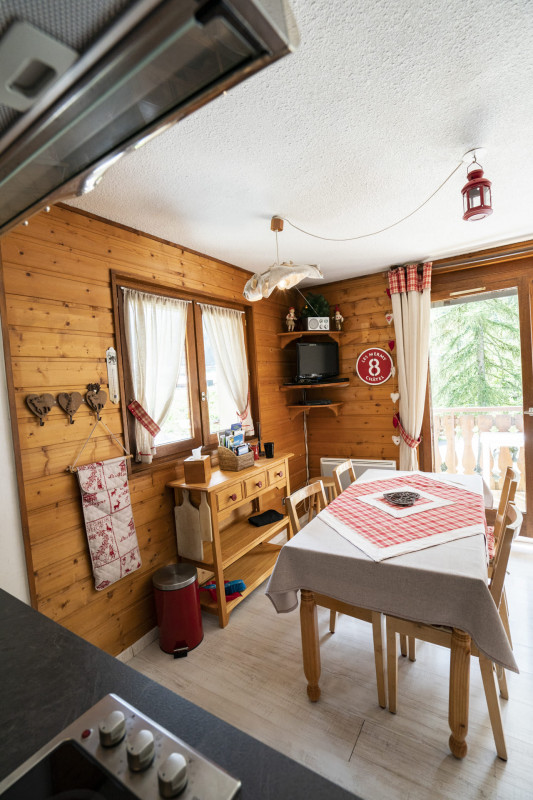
[{"x": 239, "y": 551}]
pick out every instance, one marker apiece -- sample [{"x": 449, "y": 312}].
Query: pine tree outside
[{"x": 476, "y": 387}]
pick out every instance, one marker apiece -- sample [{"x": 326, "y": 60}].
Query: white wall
[{"x": 13, "y": 577}]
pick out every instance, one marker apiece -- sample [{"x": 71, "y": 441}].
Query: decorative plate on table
[{"x": 401, "y": 498}]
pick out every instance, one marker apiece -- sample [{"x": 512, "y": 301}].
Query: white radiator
[{"x": 327, "y": 465}]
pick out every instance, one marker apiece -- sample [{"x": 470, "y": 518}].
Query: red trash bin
[{"x": 177, "y": 604}]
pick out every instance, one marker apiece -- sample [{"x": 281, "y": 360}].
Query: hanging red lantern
[{"x": 477, "y": 198}]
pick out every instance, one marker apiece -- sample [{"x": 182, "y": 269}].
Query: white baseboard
[{"x": 139, "y": 645}]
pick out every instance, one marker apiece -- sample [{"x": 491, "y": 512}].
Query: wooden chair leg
[
  {"x": 504, "y": 616},
  {"x": 502, "y": 682},
  {"x": 379, "y": 653},
  {"x": 411, "y": 641},
  {"x": 332, "y": 619},
  {"x": 392, "y": 667},
  {"x": 403, "y": 644},
  {"x": 493, "y": 705}
]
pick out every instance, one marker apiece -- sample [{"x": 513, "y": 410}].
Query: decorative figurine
[
  {"x": 291, "y": 319},
  {"x": 339, "y": 319}
]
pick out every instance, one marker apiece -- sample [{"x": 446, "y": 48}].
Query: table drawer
[
  {"x": 277, "y": 474},
  {"x": 227, "y": 497},
  {"x": 255, "y": 483}
]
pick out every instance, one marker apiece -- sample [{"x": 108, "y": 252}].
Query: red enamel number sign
[{"x": 374, "y": 366}]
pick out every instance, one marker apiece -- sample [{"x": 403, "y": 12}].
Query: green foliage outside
[
  {"x": 475, "y": 354},
  {"x": 316, "y": 305}
]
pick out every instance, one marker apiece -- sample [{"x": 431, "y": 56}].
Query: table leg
[
  {"x": 459, "y": 692},
  {"x": 310, "y": 644}
]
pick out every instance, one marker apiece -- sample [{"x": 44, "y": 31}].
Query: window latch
[{"x": 204, "y": 397}]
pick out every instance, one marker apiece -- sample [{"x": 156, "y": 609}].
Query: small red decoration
[
  {"x": 391, "y": 344},
  {"x": 388, "y": 292},
  {"x": 395, "y": 421},
  {"x": 477, "y": 200}
]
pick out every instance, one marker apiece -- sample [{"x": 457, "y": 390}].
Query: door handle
[{"x": 529, "y": 412}]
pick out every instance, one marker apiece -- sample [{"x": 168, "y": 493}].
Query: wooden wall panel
[
  {"x": 59, "y": 324},
  {"x": 364, "y": 427}
]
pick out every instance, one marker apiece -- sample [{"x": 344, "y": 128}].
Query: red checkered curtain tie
[{"x": 410, "y": 291}]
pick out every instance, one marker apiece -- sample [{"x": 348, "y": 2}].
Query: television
[{"x": 316, "y": 361}]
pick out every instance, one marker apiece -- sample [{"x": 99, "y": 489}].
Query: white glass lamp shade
[{"x": 280, "y": 276}]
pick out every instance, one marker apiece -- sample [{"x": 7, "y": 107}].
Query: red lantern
[{"x": 477, "y": 200}]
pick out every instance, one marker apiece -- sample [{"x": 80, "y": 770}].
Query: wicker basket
[{"x": 227, "y": 460}]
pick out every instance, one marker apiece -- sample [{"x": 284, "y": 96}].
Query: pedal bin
[{"x": 177, "y": 604}]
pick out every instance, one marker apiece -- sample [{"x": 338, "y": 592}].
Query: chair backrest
[
  {"x": 315, "y": 491},
  {"x": 510, "y": 485},
  {"x": 346, "y": 466},
  {"x": 510, "y": 530}
]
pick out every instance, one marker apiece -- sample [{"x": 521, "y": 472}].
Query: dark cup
[{"x": 269, "y": 449}]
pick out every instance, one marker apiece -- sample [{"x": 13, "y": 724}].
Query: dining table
[{"x": 426, "y": 564}]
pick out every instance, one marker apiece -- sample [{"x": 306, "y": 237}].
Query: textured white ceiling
[{"x": 347, "y": 135}]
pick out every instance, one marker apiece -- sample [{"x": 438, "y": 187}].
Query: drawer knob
[
  {"x": 259, "y": 484},
  {"x": 233, "y": 496},
  {"x": 280, "y": 473}
]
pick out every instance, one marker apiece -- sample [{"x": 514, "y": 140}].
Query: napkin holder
[{"x": 197, "y": 470}]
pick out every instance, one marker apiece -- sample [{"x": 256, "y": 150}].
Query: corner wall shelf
[
  {"x": 335, "y": 385},
  {"x": 295, "y": 410},
  {"x": 287, "y": 338}
]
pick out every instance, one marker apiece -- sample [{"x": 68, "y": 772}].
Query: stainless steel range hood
[{"x": 159, "y": 62}]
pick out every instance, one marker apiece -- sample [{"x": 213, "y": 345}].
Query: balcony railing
[{"x": 480, "y": 440}]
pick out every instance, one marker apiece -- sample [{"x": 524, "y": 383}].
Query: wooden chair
[
  {"x": 443, "y": 636},
  {"x": 346, "y": 466},
  {"x": 510, "y": 485},
  {"x": 316, "y": 490},
  {"x": 329, "y": 486}
]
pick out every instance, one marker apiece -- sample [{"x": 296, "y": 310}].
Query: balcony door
[{"x": 480, "y": 388}]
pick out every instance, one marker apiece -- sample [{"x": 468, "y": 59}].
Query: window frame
[{"x": 196, "y": 373}]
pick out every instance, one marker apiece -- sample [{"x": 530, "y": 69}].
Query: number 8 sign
[{"x": 374, "y": 366}]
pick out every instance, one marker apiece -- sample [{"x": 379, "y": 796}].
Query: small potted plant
[{"x": 315, "y": 313}]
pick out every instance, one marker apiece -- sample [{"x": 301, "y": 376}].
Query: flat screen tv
[{"x": 316, "y": 361}]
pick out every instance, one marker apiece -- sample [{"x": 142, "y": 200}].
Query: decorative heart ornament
[
  {"x": 70, "y": 403},
  {"x": 96, "y": 398},
  {"x": 396, "y": 440},
  {"x": 389, "y": 318},
  {"x": 391, "y": 344},
  {"x": 395, "y": 397},
  {"x": 40, "y": 405}
]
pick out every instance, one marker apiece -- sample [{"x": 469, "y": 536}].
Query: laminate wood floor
[{"x": 250, "y": 674}]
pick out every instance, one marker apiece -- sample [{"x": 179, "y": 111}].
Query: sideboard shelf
[{"x": 287, "y": 338}]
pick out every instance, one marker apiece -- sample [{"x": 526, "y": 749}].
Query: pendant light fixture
[
  {"x": 477, "y": 196},
  {"x": 284, "y": 275}
]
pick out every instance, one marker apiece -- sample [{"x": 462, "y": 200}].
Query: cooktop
[{"x": 113, "y": 752}]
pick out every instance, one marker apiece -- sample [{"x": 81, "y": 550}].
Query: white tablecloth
[{"x": 442, "y": 585}]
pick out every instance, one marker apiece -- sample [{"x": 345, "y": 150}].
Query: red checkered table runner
[{"x": 382, "y": 536}]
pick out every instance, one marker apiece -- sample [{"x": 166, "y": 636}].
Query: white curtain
[
  {"x": 155, "y": 333},
  {"x": 410, "y": 291},
  {"x": 225, "y": 330}
]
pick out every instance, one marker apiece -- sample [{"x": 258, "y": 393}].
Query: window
[{"x": 185, "y": 363}]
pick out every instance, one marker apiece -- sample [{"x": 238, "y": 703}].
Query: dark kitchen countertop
[{"x": 49, "y": 676}]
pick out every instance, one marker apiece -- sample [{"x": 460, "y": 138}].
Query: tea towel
[{"x": 109, "y": 521}]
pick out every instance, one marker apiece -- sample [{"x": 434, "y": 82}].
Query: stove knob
[
  {"x": 112, "y": 729},
  {"x": 172, "y": 775},
  {"x": 140, "y": 751}
]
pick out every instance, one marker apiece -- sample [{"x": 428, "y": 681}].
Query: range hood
[{"x": 156, "y": 64}]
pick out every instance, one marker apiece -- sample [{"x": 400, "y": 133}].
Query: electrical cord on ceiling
[{"x": 374, "y": 233}]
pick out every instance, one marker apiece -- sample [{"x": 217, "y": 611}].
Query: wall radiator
[{"x": 327, "y": 466}]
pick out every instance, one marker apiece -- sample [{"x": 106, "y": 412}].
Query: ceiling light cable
[{"x": 374, "y": 233}]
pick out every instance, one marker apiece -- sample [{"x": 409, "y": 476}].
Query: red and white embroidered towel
[
  {"x": 109, "y": 521},
  {"x": 443, "y": 512}
]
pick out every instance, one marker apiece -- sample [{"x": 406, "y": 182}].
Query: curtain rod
[{"x": 497, "y": 257}]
